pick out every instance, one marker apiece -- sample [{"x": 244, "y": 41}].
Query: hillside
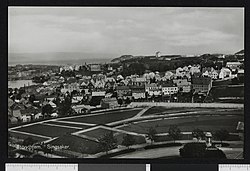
[{"x": 240, "y": 52}]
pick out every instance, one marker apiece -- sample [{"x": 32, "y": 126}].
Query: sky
[{"x": 118, "y": 30}]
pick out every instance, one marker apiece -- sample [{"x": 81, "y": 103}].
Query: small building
[
  {"x": 233, "y": 65},
  {"x": 95, "y": 67},
  {"x": 183, "y": 85},
  {"x": 201, "y": 84},
  {"x": 108, "y": 103},
  {"x": 168, "y": 88},
  {"x": 26, "y": 118},
  {"x": 153, "y": 89},
  {"x": 169, "y": 75},
  {"x": 139, "y": 81},
  {"x": 138, "y": 92},
  {"x": 225, "y": 73},
  {"x": 38, "y": 116},
  {"x": 210, "y": 72},
  {"x": 123, "y": 91}
]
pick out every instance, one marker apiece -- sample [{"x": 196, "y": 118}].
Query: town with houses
[{"x": 85, "y": 89}]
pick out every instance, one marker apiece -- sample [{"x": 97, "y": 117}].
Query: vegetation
[
  {"x": 29, "y": 141},
  {"x": 151, "y": 135},
  {"x": 107, "y": 142},
  {"x": 193, "y": 150},
  {"x": 128, "y": 140},
  {"x": 221, "y": 135},
  {"x": 65, "y": 108},
  {"x": 47, "y": 109},
  {"x": 174, "y": 132},
  {"x": 199, "y": 134}
]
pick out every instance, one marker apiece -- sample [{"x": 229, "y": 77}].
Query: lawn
[
  {"x": 97, "y": 133},
  {"x": 68, "y": 124},
  {"x": 206, "y": 123},
  {"x": 105, "y": 118},
  {"x": 85, "y": 146},
  {"x": 51, "y": 131},
  {"x": 24, "y": 136},
  {"x": 77, "y": 144},
  {"x": 164, "y": 110},
  {"x": 224, "y": 91}
]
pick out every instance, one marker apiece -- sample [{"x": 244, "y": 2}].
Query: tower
[{"x": 158, "y": 54}]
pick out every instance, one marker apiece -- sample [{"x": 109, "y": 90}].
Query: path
[{"x": 142, "y": 112}]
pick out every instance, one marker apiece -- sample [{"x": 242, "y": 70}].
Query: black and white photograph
[{"x": 126, "y": 82}]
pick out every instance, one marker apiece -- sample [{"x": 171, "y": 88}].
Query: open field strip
[
  {"x": 31, "y": 134},
  {"x": 97, "y": 114},
  {"x": 149, "y": 117},
  {"x": 76, "y": 123},
  {"x": 193, "y": 105},
  {"x": 62, "y": 126},
  {"x": 70, "y": 117},
  {"x": 108, "y": 128},
  {"x": 31, "y": 124},
  {"x": 172, "y": 112}
]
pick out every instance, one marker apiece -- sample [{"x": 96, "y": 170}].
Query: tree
[
  {"x": 107, "y": 142},
  {"x": 128, "y": 140},
  {"x": 128, "y": 101},
  {"x": 120, "y": 101},
  {"x": 199, "y": 134},
  {"x": 65, "y": 107},
  {"x": 29, "y": 141},
  {"x": 151, "y": 135},
  {"x": 221, "y": 134},
  {"x": 47, "y": 109},
  {"x": 46, "y": 149},
  {"x": 174, "y": 132}
]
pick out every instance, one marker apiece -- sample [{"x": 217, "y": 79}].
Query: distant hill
[
  {"x": 122, "y": 58},
  {"x": 240, "y": 52},
  {"x": 129, "y": 57}
]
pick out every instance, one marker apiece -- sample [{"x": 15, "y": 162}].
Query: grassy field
[
  {"x": 97, "y": 133},
  {"x": 77, "y": 144},
  {"x": 24, "y": 136},
  {"x": 82, "y": 145},
  {"x": 105, "y": 118},
  {"x": 164, "y": 110},
  {"x": 205, "y": 119},
  {"x": 68, "y": 124},
  {"x": 225, "y": 91},
  {"x": 51, "y": 131},
  {"x": 206, "y": 123}
]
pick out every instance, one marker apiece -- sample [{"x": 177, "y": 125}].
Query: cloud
[{"x": 126, "y": 30}]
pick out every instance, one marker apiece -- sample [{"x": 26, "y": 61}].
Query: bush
[
  {"x": 162, "y": 145},
  {"x": 214, "y": 153},
  {"x": 221, "y": 135},
  {"x": 128, "y": 140},
  {"x": 174, "y": 132},
  {"x": 193, "y": 150}
]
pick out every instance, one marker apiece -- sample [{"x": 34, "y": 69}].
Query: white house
[
  {"x": 225, "y": 73},
  {"x": 169, "y": 88},
  {"x": 183, "y": 85},
  {"x": 26, "y": 118},
  {"x": 153, "y": 89},
  {"x": 233, "y": 65}
]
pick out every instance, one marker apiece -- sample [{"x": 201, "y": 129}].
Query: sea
[{"x": 63, "y": 62}]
